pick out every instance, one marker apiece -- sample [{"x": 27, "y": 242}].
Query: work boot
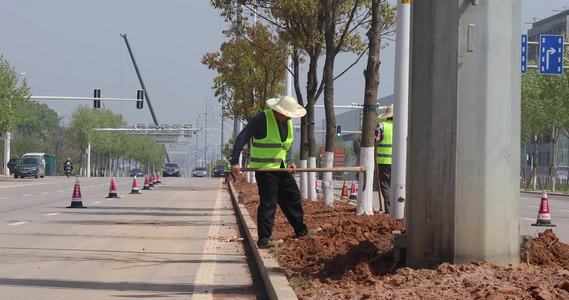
[
  {"x": 308, "y": 231},
  {"x": 269, "y": 243}
]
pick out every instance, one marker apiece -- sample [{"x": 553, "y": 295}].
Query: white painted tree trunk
[
  {"x": 311, "y": 179},
  {"x": 252, "y": 179},
  {"x": 327, "y": 185},
  {"x": 365, "y": 193},
  {"x": 303, "y": 181}
]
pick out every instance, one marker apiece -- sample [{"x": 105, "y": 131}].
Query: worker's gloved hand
[
  {"x": 235, "y": 169},
  {"x": 292, "y": 169}
]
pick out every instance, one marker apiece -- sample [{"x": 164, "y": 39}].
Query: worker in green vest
[
  {"x": 384, "y": 141},
  {"x": 272, "y": 135},
  {"x": 227, "y": 170}
]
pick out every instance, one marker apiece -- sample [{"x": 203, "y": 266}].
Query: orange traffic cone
[
  {"x": 543, "y": 216},
  {"x": 150, "y": 181},
  {"x": 134, "y": 189},
  {"x": 146, "y": 184},
  {"x": 345, "y": 191},
  {"x": 113, "y": 189},
  {"x": 353, "y": 192},
  {"x": 76, "y": 200}
]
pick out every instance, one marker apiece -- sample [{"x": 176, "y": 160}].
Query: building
[{"x": 555, "y": 25}]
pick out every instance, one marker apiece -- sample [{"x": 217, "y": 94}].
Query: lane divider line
[
  {"x": 17, "y": 223},
  {"x": 206, "y": 272},
  {"x": 52, "y": 214}
]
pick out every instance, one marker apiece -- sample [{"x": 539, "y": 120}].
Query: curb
[{"x": 273, "y": 275}]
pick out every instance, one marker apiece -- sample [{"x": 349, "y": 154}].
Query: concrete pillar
[{"x": 464, "y": 132}]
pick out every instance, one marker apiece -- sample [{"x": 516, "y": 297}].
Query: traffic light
[
  {"x": 140, "y": 99},
  {"x": 338, "y": 131},
  {"x": 97, "y": 94}
]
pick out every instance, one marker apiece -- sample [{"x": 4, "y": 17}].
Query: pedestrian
[
  {"x": 272, "y": 135},
  {"x": 384, "y": 140},
  {"x": 227, "y": 170}
]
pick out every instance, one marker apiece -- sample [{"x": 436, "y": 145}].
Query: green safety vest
[
  {"x": 227, "y": 169},
  {"x": 385, "y": 147},
  {"x": 270, "y": 151}
]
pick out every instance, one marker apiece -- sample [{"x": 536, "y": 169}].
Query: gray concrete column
[{"x": 464, "y": 132}]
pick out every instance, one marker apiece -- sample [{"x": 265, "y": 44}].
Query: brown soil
[{"x": 352, "y": 258}]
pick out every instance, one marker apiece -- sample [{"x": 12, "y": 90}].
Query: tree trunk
[{"x": 371, "y": 75}]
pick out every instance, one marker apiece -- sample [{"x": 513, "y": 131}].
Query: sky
[{"x": 68, "y": 48}]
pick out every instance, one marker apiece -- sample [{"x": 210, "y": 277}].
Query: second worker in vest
[
  {"x": 384, "y": 141},
  {"x": 272, "y": 135}
]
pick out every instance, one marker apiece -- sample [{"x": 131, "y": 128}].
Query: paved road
[{"x": 176, "y": 242}]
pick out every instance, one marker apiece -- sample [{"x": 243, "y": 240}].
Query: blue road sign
[
  {"x": 524, "y": 53},
  {"x": 551, "y": 54}
]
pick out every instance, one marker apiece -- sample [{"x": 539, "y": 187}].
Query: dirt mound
[{"x": 352, "y": 258}]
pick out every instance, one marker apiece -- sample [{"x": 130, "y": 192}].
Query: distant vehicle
[
  {"x": 39, "y": 155},
  {"x": 171, "y": 170},
  {"x": 68, "y": 169},
  {"x": 199, "y": 172},
  {"x": 28, "y": 167},
  {"x": 136, "y": 172},
  {"x": 218, "y": 171},
  {"x": 12, "y": 163}
]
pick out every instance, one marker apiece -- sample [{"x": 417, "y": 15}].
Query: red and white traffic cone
[
  {"x": 543, "y": 216},
  {"x": 134, "y": 189},
  {"x": 353, "y": 192},
  {"x": 316, "y": 185},
  {"x": 150, "y": 181},
  {"x": 345, "y": 191},
  {"x": 76, "y": 200},
  {"x": 158, "y": 180},
  {"x": 154, "y": 181},
  {"x": 146, "y": 184},
  {"x": 113, "y": 189}
]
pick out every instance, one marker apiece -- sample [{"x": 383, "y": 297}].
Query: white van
[{"x": 39, "y": 155}]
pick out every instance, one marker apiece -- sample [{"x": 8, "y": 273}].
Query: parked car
[
  {"x": 218, "y": 171},
  {"x": 12, "y": 163},
  {"x": 136, "y": 172},
  {"x": 29, "y": 166},
  {"x": 171, "y": 170},
  {"x": 199, "y": 172}
]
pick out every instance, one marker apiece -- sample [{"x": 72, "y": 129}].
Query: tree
[{"x": 13, "y": 97}]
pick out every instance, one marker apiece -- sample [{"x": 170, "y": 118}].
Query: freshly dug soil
[{"x": 352, "y": 258}]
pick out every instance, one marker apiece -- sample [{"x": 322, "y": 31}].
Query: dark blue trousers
[{"x": 278, "y": 188}]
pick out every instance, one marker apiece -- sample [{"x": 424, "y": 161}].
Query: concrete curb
[{"x": 273, "y": 275}]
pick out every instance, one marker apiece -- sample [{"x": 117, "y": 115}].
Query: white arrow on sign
[{"x": 549, "y": 52}]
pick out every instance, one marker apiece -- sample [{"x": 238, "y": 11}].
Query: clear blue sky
[{"x": 68, "y": 48}]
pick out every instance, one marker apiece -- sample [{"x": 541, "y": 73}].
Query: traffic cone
[
  {"x": 134, "y": 189},
  {"x": 150, "y": 181},
  {"x": 353, "y": 192},
  {"x": 154, "y": 179},
  {"x": 316, "y": 185},
  {"x": 76, "y": 200},
  {"x": 543, "y": 216},
  {"x": 146, "y": 184},
  {"x": 158, "y": 180},
  {"x": 345, "y": 191},
  {"x": 113, "y": 189}
]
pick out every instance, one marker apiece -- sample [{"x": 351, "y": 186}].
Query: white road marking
[
  {"x": 97, "y": 202},
  {"x": 565, "y": 210},
  {"x": 26, "y": 195},
  {"x": 17, "y": 223},
  {"x": 4, "y": 198},
  {"x": 529, "y": 219},
  {"x": 52, "y": 214},
  {"x": 59, "y": 191},
  {"x": 206, "y": 272},
  {"x": 43, "y": 193}
]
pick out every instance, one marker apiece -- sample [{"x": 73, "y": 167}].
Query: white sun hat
[{"x": 288, "y": 106}]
